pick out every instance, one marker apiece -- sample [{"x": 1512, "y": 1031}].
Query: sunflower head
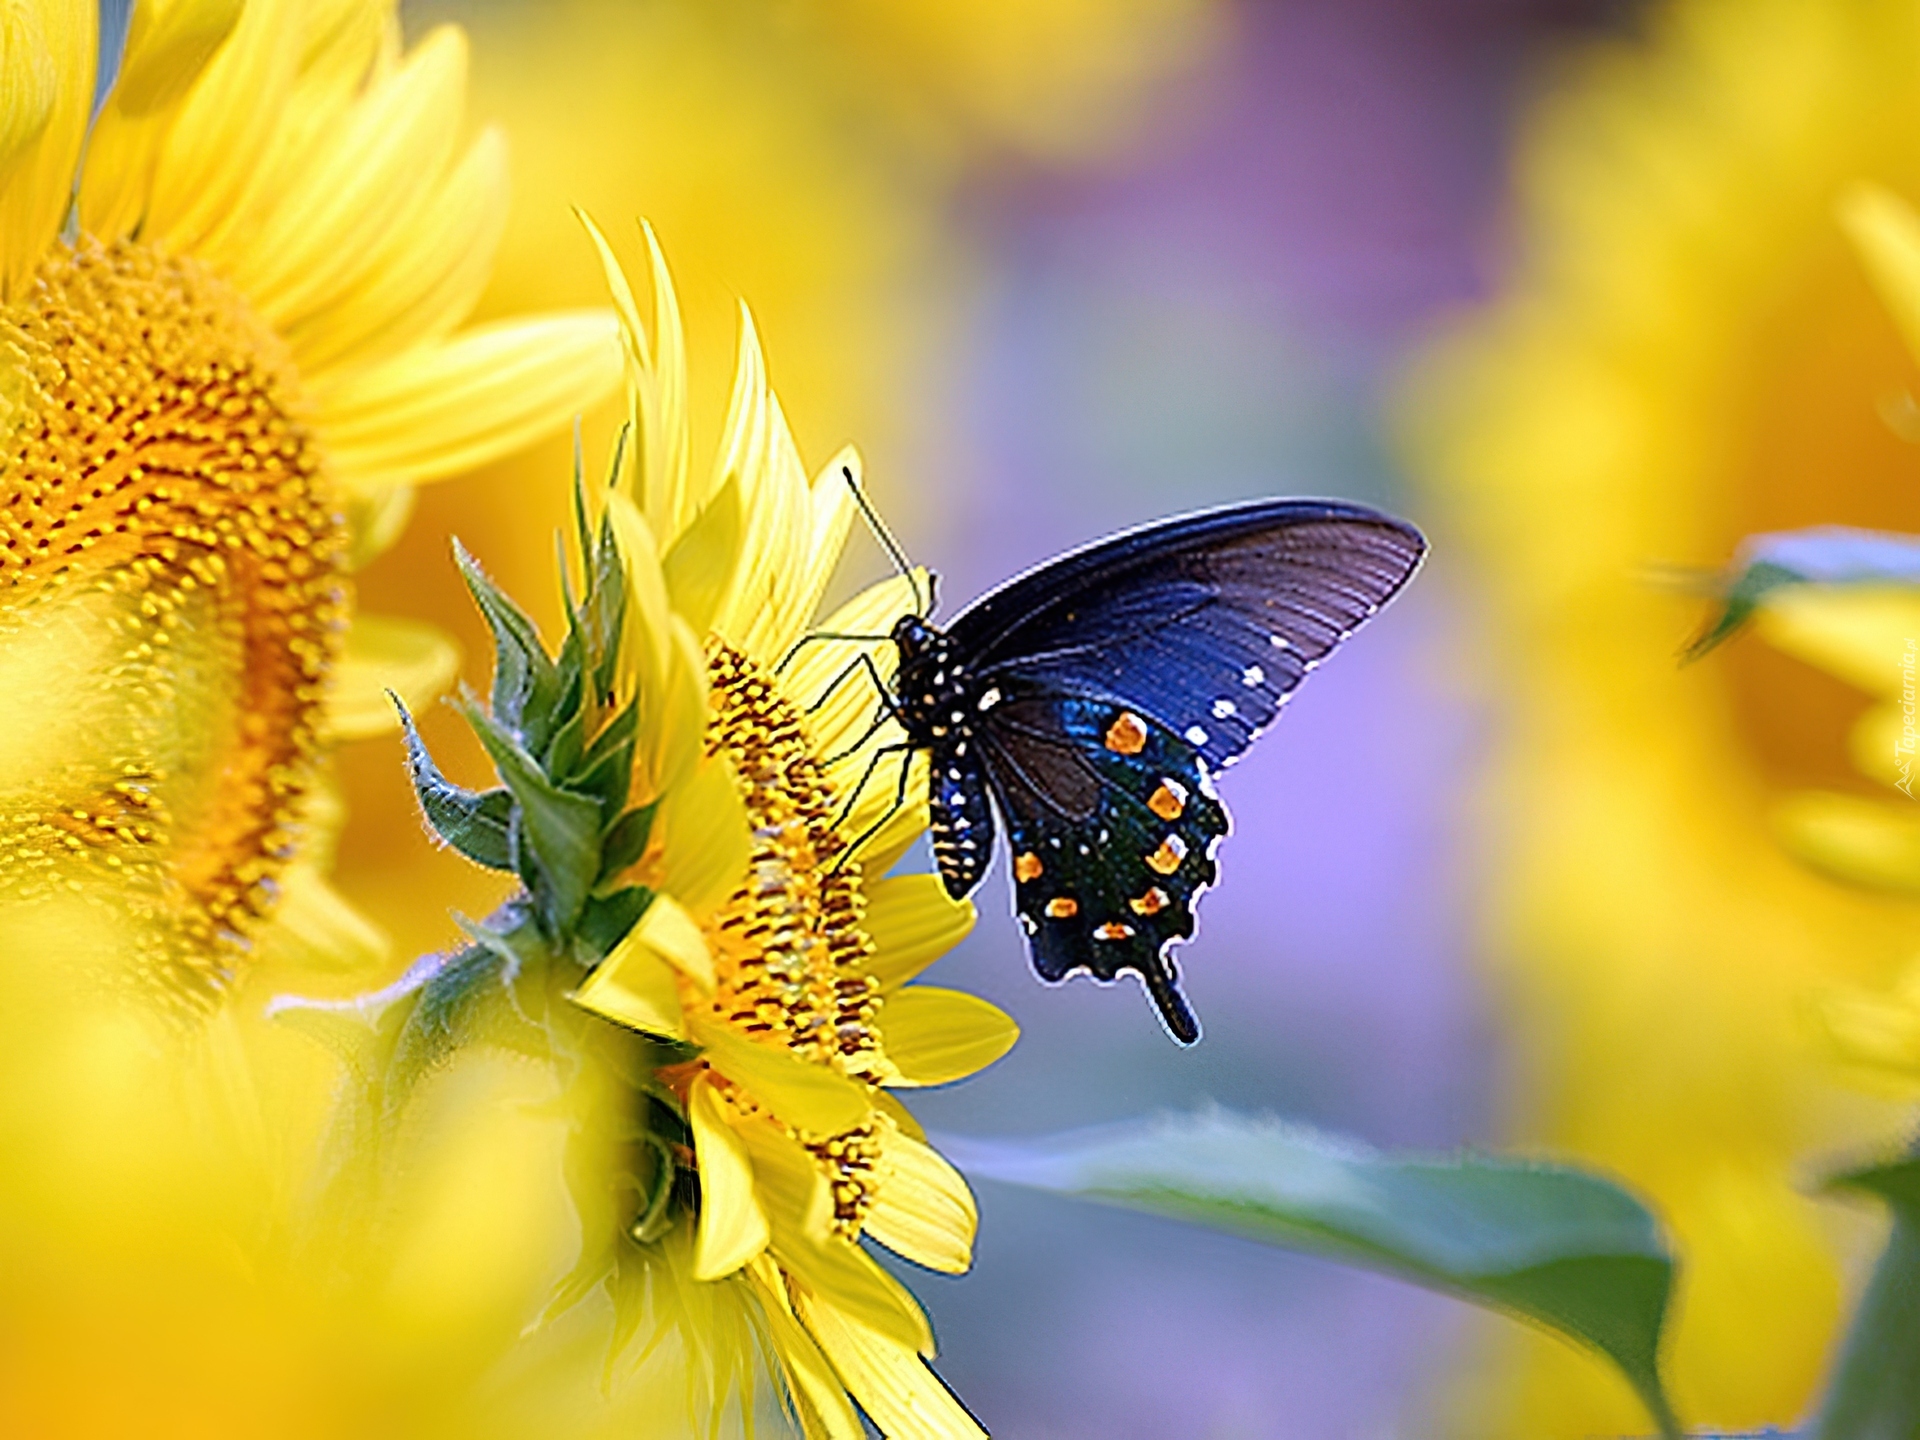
[
  {"x": 230, "y": 302},
  {"x": 697, "y": 942}
]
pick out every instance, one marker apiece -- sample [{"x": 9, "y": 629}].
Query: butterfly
[{"x": 1086, "y": 706}]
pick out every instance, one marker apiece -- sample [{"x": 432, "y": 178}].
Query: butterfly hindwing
[{"x": 1112, "y": 824}]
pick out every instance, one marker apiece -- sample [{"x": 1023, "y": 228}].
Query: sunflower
[
  {"x": 770, "y": 949},
  {"x": 231, "y": 303},
  {"x": 686, "y": 796},
  {"x": 1690, "y": 352}
]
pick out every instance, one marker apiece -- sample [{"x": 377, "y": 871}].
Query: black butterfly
[{"x": 1095, "y": 697}]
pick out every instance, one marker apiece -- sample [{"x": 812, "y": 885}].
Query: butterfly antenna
[{"x": 922, "y": 604}]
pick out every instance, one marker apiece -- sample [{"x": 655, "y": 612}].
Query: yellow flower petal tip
[
  {"x": 416, "y": 661},
  {"x": 934, "y": 1036},
  {"x": 810, "y": 1097},
  {"x": 733, "y": 1228},
  {"x": 633, "y": 986},
  {"x": 670, "y": 932}
]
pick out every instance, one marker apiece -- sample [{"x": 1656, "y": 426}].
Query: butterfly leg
[
  {"x": 822, "y": 635},
  {"x": 905, "y": 750},
  {"x": 859, "y": 662},
  {"x": 880, "y": 718}
]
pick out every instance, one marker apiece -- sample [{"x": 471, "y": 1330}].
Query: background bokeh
[{"x": 1062, "y": 266}]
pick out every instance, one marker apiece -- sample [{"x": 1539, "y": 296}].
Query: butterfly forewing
[{"x": 1101, "y": 692}]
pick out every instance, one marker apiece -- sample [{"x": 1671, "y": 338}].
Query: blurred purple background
[{"x": 1222, "y": 317}]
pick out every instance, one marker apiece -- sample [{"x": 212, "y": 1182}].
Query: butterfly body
[{"x": 1087, "y": 705}]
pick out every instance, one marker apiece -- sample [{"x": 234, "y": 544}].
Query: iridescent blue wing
[{"x": 1127, "y": 675}]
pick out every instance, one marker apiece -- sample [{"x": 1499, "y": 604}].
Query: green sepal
[
  {"x": 474, "y": 822},
  {"x": 626, "y": 842},
  {"x": 561, "y": 755},
  {"x": 606, "y": 919},
  {"x": 606, "y": 770},
  {"x": 557, "y": 833},
  {"x": 523, "y": 676},
  {"x": 605, "y": 608}
]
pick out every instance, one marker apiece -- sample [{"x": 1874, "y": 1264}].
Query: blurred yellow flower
[
  {"x": 222, "y": 380},
  {"x": 764, "y": 944},
  {"x": 1691, "y": 352}
]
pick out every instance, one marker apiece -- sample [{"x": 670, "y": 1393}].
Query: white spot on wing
[
  {"x": 1196, "y": 735},
  {"x": 991, "y": 698},
  {"x": 1253, "y": 677},
  {"x": 1222, "y": 708}
]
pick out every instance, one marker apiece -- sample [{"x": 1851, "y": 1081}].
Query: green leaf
[
  {"x": 561, "y": 830},
  {"x": 473, "y": 822},
  {"x": 523, "y": 676},
  {"x": 1875, "y": 1392},
  {"x": 1561, "y": 1247}
]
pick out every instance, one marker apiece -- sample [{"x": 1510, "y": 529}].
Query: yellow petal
[
  {"x": 425, "y": 277},
  {"x": 1887, "y": 232},
  {"x": 314, "y": 925},
  {"x": 807, "y": 1094},
  {"x": 646, "y": 644},
  {"x": 636, "y": 988},
  {"x": 225, "y": 132},
  {"x": 1858, "y": 633},
  {"x": 933, "y": 1036},
  {"x": 818, "y": 1397},
  {"x": 904, "y": 1398},
  {"x": 705, "y": 843},
  {"x": 816, "y": 664},
  {"x": 664, "y": 440},
  {"x": 29, "y": 82},
  {"x": 912, "y": 923},
  {"x": 1875, "y": 843},
  {"x": 1884, "y": 743},
  {"x": 446, "y": 408},
  {"x": 733, "y": 1227},
  {"x": 367, "y": 178},
  {"x": 47, "y": 71},
  {"x": 923, "y": 1209},
  {"x": 882, "y": 798},
  {"x": 830, "y": 516},
  {"x": 169, "y": 43},
  {"x": 415, "y": 660},
  {"x": 669, "y": 932},
  {"x": 1877, "y": 1033},
  {"x": 700, "y": 567}
]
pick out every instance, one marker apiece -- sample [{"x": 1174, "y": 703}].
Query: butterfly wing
[{"x": 1131, "y": 672}]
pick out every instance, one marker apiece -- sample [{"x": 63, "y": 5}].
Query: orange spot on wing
[
  {"x": 1127, "y": 735},
  {"x": 1168, "y": 857},
  {"x": 1113, "y": 930},
  {"x": 1169, "y": 801},
  {"x": 1027, "y": 867},
  {"x": 1063, "y": 907},
  {"x": 1151, "y": 903}
]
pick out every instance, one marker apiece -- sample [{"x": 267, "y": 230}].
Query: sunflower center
[
  {"x": 170, "y": 589},
  {"x": 790, "y": 953}
]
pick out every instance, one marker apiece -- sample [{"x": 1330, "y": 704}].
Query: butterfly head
[{"x": 914, "y": 638}]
